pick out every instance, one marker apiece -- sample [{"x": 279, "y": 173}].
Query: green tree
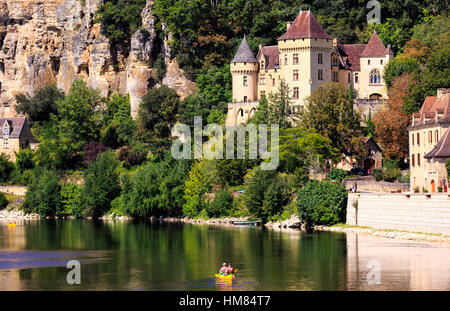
[
  {"x": 280, "y": 106},
  {"x": 322, "y": 203},
  {"x": 3, "y": 201},
  {"x": 120, "y": 19},
  {"x": 101, "y": 184},
  {"x": 329, "y": 110},
  {"x": 221, "y": 205},
  {"x": 79, "y": 119},
  {"x": 6, "y": 168},
  {"x": 118, "y": 128},
  {"x": 158, "y": 111},
  {"x": 24, "y": 159},
  {"x": 42, "y": 104},
  {"x": 397, "y": 67},
  {"x": 276, "y": 197},
  {"x": 44, "y": 193}
]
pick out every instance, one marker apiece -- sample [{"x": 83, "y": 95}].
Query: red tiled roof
[
  {"x": 430, "y": 107},
  {"x": 374, "y": 48},
  {"x": 305, "y": 25},
  {"x": 272, "y": 56},
  {"x": 442, "y": 148},
  {"x": 388, "y": 50},
  {"x": 351, "y": 53}
]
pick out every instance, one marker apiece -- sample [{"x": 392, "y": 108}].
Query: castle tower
[
  {"x": 305, "y": 56},
  {"x": 244, "y": 70}
]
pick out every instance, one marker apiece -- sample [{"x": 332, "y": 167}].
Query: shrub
[
  {"x": 72, "y": 200},
  {"x": 377, "y": 173},
  {"x": 24, "y": 159},
  {"x": 440, "y": 189},
  {"x": 416, "y": 189},
  {"x": 391, "y": 174},
  {"x": 221, "y": 205},
  {"x": 24, "y": 178},
  {"x": 133, "y": 155},
  {"x": 424, "y": 190},
  {"x": 6, "y": 168},
  {"x": 44, "y": 193},
  {"x": 338, "y": 174},
  {"x": 322, "y": 203},
  {"x": 3, "y": 201}
]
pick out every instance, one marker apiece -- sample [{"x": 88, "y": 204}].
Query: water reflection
[{"x": 142, "y": 256}]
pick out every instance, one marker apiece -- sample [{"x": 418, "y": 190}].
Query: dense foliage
[{"x": 322, "y": 203}]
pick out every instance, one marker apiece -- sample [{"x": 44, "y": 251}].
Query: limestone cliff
[{"x": 42, "y": 41}]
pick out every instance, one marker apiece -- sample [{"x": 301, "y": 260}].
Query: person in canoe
[
  {"x": 230, "y": 269},
  {"x": 224, "y": 269}
]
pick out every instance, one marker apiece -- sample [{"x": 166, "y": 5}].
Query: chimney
[
  {"x": 288, "y": 24},
  {"x": 441, "y": 92}
]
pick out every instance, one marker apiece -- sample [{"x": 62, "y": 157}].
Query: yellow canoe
[
  {"x": 225, "y": 277},
  {"x": 12, "y": 224}
]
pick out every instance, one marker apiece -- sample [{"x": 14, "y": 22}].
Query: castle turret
[{"x": 244, "y": 70}]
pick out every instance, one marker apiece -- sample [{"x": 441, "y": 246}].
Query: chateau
[
  {"x": 429, "y": 143},
  {"x": 305, "y": 58},
  {"x": 16, "y": 135}
]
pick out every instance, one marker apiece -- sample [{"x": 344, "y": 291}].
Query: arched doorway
[
  {"x": 433, "y": 186},
  {"x": 240, "y": 116},
  {"x": 252, "y": 113},
  {"x": 375, "y": 96}
]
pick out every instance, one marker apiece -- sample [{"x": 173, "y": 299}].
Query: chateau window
[
  {"x": 375, "y": 77},
  {"x": 245, "y": 100},
  {"x": 296, "y": 93},
  {"x": 412, "y": 139},
  {"x": 436, "y": 136},
  {"x": 381, "y": 62},
  {"x": 273, "y": 82},
  {"x": 262, "y": 79},
  {"x": 356, "y": 78},
  {"x": 418, "y": 159},
  {"x": 368, "y": 62},
  {"x": 5, "y": 143},
  {"x": 295, "y": 75},
  {"x": 262, "y": 65},
  {"x": 349, "y": 78},
  {"x": 320, "y": 74},
  {"x": 245, "y": 81},
  {"x": 335, "y": 62},
  {"x": 430, "y": 137},
  {"x": 418, "y": 138},
  {"x": 285, "y": 59},
  {"x": 319, "y": 58},
  {"x": 6, "y": 131},
  {"x": 412, "y": 160},
  {"x": 335, "y": 76},
  {"x": 263, "y": 93},
  {"x": 295, "y": 59}
]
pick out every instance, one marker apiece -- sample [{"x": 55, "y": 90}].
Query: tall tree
[
  {"x": 329, "y": 110},
  {"x": 391, "y": 123}
]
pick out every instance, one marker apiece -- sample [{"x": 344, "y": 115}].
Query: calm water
[{"x": 141, "y": 256}]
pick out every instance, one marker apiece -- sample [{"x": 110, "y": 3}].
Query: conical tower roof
[
  {"x": 244, "y": 53},
  {"x": 305, "y": 25},
  {"x": 374, "y": 48}
]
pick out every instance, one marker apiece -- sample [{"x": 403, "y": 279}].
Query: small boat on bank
[
  {"x": 246, "y": 223},
  {"x": 12, "y": 224}
]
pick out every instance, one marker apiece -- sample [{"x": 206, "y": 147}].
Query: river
[{"x": 143, "y": 256}]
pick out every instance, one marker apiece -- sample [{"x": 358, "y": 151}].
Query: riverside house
[
  {"x": 429, "y": 143},
  {"x": 16, "y": 134}
]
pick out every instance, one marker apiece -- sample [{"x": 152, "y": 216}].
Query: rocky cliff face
[{"x": 42, "y": 41}]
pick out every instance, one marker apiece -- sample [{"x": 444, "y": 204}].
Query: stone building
[
  {"x": 429, "y": 143},
  {"x": 373, "y": 159},
  {"x": 305, "y": 58},
  {"x": 16, "y": 134}
]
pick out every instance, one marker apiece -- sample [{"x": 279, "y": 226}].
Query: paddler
[
  {"x": 230, "y": 269},
  {"x": 224, "y": 269}
]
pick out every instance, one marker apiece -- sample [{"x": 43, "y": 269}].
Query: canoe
[
  {"x": 245, "y": 223},
  {"x": 12, "y": 224},
  {"x": 228, "y": 277}
]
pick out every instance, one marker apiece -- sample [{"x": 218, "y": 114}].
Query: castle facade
[{"x": 305, "y": 58}]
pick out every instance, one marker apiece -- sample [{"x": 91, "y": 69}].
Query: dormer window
[
  {"x": 6, "y": 131},
  {"x": 262, "y": 65}
]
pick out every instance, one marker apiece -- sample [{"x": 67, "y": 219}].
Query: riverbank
[{"x": 385, "y": 233}]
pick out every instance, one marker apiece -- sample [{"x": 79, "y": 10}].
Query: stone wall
[
  {"x": 429, "y": 213},
  {"x": 16, "y": 190},
  {"x": 376, "y": 186}
]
